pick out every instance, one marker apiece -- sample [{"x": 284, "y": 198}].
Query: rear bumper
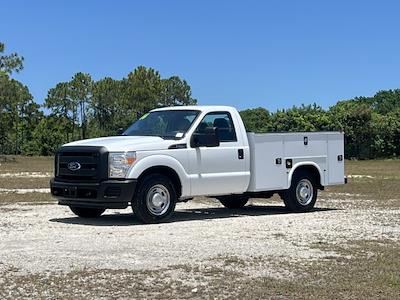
[{"x": 106, "y": 194}]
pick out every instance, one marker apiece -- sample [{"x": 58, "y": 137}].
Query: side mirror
[
  {"x": 207, "y": 138},
  {"x": 120, "y": 131}
]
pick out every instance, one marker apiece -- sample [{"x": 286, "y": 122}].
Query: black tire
[
  {"x": 233, "y": 201},
  {"x": 297, "y": 200},
  {"x": 85, "y": 212},
  {"x": 153, "y": 188}
]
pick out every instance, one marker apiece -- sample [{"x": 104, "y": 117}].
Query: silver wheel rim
[
  {"x": 158, "y": 199},
  {"x": 304, "y": 192}
]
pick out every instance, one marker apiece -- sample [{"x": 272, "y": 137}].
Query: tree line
[
  {"x": 84, "y": 108},
  {"x": 80, "y": 108},
  {"x": 371, "y": 124}
]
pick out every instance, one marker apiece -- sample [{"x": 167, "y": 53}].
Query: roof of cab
[{"x": 196, "y": 107}]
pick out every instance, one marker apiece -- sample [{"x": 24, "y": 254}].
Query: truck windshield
[{"x": 167, "y": 124}]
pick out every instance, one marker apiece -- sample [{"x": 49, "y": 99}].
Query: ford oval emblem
[{"x": 73, "y": 166}]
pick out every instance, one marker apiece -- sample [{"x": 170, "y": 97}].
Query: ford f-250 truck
[{"x": 173, "y": 154}]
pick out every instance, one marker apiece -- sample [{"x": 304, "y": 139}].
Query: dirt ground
[{"x": 348, "y": 247}]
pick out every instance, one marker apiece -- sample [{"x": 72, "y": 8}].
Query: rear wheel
[
  {"x": 155, "y": 199},
  {"x": 302, "y": 194},
  {"x": 85, "y": 212},
  {"x": 233, "y": 201}
]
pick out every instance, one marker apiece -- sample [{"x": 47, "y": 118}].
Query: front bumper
[{"x": 105, "y": 194}]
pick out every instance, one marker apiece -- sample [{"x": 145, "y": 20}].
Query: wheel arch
[
  {"x": 310, "y": 167},
  {"x": 166, "y": 171}
]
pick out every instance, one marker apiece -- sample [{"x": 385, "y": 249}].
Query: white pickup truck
[{"x": 173, "y": 154}]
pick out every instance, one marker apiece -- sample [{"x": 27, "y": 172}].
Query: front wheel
[
  {"x": 233, "y": 201},
  {"x": 302, "y": 194},
  {"x": 155, "y": 199},
  {"x": 84, "y": 212}
]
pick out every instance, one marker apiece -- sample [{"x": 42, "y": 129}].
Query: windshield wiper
[{"x": 169, "y": 137}]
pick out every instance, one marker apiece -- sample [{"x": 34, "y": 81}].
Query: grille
[{"x": 92, "y": 162}]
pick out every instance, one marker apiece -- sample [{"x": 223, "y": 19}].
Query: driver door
[{"x": 218, "y": 170}]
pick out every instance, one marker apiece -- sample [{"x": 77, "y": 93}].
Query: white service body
[{"x": 321, "y": 152}]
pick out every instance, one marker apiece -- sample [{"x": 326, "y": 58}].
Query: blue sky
[{"x": 273, "y": 54}]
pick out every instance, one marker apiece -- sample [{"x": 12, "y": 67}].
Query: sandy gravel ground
[
  {"x": 26, "y": 175},
  {"x": 49, "y": 238},
  {"x": 347, "y": 248}
]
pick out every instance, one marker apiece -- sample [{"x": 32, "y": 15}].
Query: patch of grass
[
  {"x": 25, "y": 164},
  {"x": 170, "y": 283},
  {"x": 375, "y": 168},
  {"x": 366, "y": 270},
  {"x": 24, "y": 183},
  {"x": 383, "y": 188},
  {"x": 28, "y": 164},
  {"x": 379, "y": 190},
  {"x": 33, "y": 198}
]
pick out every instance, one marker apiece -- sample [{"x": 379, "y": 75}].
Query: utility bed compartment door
[
  {"x": 335, "y": 159},
  {"x": 267, "y": 165}
]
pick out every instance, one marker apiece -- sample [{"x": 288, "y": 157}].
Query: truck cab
[{"x": 176, "y": 153}]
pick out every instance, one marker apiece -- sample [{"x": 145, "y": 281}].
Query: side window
[{"x": 221, "y": 120}]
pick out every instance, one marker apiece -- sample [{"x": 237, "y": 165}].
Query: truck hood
[{"x": 127, "y": 143}]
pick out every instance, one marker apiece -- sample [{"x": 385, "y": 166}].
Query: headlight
[{"x": 119, "y": 163}]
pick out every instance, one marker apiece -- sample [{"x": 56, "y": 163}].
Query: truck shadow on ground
[{"x": 184, "y": 215}]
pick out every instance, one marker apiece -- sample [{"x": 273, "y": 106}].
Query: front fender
[{"x": 159, "y": 160}]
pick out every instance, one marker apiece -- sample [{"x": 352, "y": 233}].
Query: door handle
[{"x": 240, "y": 153}]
